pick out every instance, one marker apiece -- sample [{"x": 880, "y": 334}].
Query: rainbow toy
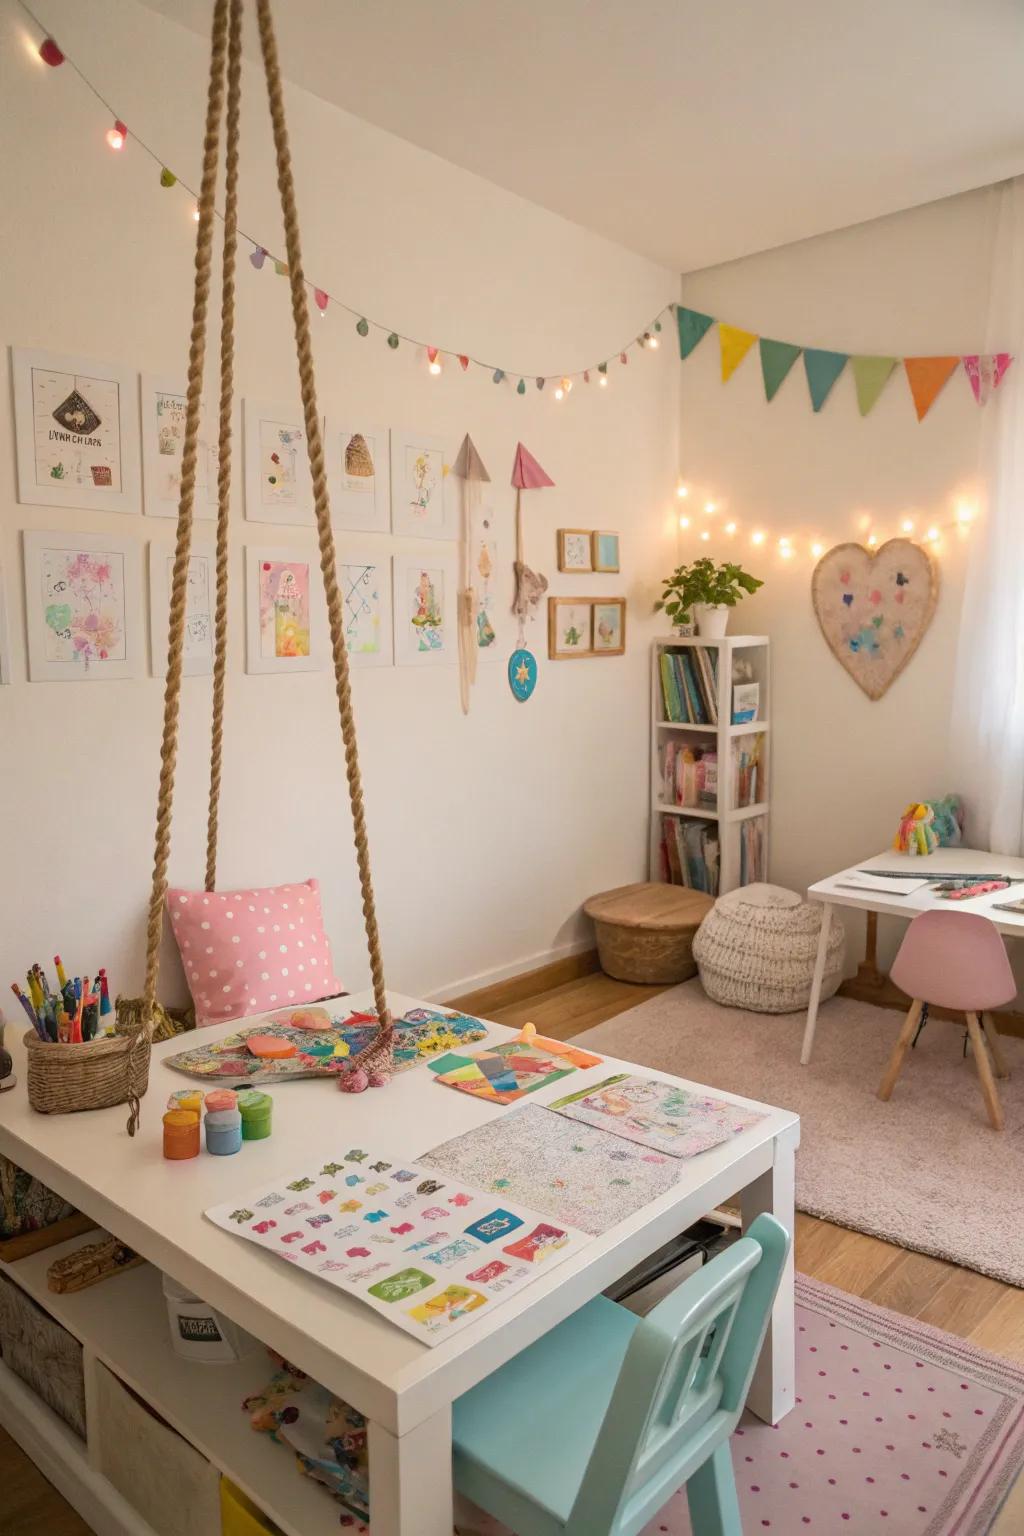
[{"x": 916, "y": 833}]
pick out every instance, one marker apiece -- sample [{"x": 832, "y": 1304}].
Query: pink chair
[{"x": 954, "y": 960}]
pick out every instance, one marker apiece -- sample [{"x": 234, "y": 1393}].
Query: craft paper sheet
[
  {"x": 572, "y": 1173},
  {"x": 659, "y": 1115},
  {"x": 507, "y": 1072},
  {"x": 431, "y": 1255}
]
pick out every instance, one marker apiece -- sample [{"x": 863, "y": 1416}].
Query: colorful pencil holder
[
  {"x": 95, "y": 1074},
  {"x": 223, "y": 1132},
  {"x": 256, "y": 1109},
  {"x": 181, "y": 1134}
]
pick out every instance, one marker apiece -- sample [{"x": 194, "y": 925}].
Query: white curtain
[{"x": 987, "y": 745}]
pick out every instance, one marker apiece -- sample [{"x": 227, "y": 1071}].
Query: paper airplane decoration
[{"x": 469, "y": 469}]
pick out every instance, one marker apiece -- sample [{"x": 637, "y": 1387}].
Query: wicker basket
[{"x": 90, "y": 1075}]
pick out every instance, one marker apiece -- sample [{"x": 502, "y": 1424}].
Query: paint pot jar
[
  {"x": 221, "y": 1098},
  {"x": 256, "y": 1109},
  {"x": 181, "y": 1134},
  {"x": 223, "y": 1132},
  {"x": 187, "y": 1098}
]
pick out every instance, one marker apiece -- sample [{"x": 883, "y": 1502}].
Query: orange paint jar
[{"x": 181, "y": 1134}]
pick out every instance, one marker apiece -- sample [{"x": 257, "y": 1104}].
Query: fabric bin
[
  {"x": 165, "y": 1480},
  {"x": 43, "y": 1354},
  {"x": 31, "y": 1215},
  {"x": 239, "y": 1515}
]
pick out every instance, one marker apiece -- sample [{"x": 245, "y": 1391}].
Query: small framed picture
[
  {"x": 426, "y": 624},
  {"x": 420, "y": 508},
  {"x": 77, "y": 432},
  {"x": 82, "y": 607},
  {"x": 574, "y": 550},
  {"x": 569, "y": 627},
  {"x": 163, "y": 403},
  {"x": 200, "y": 606},
  {"x": 365, "y": 582},
  {"x": 605, "y": 550},
  {"x": 285, "y": 611},
  {"x": 278, "y": 485},
  {"x": 609, "y": 626},
  {"x": 359, "y": 476}
]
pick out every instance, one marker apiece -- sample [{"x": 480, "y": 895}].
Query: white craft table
[
  {"x": 832, "y": 893},
  {"x": 403, "y": 1387}
]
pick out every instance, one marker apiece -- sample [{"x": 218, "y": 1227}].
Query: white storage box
[{"x": 200, "y": 1333}]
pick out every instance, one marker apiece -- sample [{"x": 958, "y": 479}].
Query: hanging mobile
[{"x": 527, "y": 475}]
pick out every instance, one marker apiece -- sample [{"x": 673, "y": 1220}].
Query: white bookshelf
[{"x": 720, "y": 738}]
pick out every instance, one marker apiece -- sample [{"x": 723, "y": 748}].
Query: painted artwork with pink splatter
[{"x": 83, "y": 601}]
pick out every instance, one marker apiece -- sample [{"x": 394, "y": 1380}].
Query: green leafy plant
[{"x": 704, "y": 582}]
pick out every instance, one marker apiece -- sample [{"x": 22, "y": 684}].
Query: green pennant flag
[
  {"x": 777, "y": 358},
  {"x": 823, "y": 368},
  {"x": 871, "y": 374},
  {"x": 693, "y": 327}
]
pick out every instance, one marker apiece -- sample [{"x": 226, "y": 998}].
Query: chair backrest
[
  {"x": 954, "y": 959},
  {"x": 682, "y": 1384}
]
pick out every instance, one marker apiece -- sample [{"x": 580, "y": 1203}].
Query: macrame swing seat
[{"x": 373, "y": 1065}]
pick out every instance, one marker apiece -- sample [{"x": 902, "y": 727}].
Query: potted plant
[{"x": 705, "y": 591}]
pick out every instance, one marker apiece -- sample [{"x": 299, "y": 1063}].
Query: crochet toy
[
  {"x": 916, "y": 833},
  {"x": 949, "y": 820}
]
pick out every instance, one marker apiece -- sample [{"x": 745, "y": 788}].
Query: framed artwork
[
  {"x": 426, "y": 628},
  {"x": 609, "y": 632},
  {"x": 874, "y": 607},
  {"x": 278, "y": 485},
  {"x": 82, "y": 607},
  {"x": 574, "y": 550},
  {"x": 605, "y": 550},
  {"x": 162, "y": 410},
  {"x": 285, "y": 612},
  {"x": 365, "y": 582},
  {"x": 200, "y": 606},
  {"x": 489, "y": 617},
  {"x": 359, "y": 476},
  {"x": 569, "y": 627},
  {"x": 76, "y": 431},
  {"x": 5, "y": 634},
  {"x": 419, "y": 506}
]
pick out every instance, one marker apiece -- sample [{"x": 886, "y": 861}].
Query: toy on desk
[
  {"x": 964, "y": 890},
  {"x": 88, "y": 1265},
  {"x": 948, "y": 820},
  {"x": 916, "y": 833}
]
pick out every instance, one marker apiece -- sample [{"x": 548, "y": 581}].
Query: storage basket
[
  {"x": 90, "y": 1075},
  {"x": 756, "y": 949},
  {"x": 43, "y": 1354},
  {"x": 239, "y": 1515},
  {"x": 31, "y": 1215}
]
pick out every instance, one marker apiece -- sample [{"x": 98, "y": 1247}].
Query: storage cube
[{"x": 43, "y": 1354}]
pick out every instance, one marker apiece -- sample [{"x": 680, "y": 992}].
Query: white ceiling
[{"x": 692, "y": 131}]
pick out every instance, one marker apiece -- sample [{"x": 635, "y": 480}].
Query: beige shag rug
[{"x": 925, "y": 1170}]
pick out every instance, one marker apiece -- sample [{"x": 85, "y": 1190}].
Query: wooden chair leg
[
  {"x": 989, "y": 1092},
  {"x": 900, "y": 1050},
  {"x": 991, "y": 1029}
]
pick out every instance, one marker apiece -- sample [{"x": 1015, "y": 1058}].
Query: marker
[
  {"x": 62, "y": 979},
  {"x": 106, "y": 1006},
  {"x": 32, "y": 1016}
]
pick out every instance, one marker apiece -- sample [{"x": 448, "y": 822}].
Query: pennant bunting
[
  {"x": 777, "y": 358},
  {"x": 870, "y": 375},
  {"x": 986, "y": 372},
  {"x": 735, "y": 345},
  {"x": 926, "y": 377},
  {"x": 822, "y": 368},
  {"x": 693, "y": 327}
]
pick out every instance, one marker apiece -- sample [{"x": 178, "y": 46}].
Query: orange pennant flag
[
  {"x": 735, "y": 345},
  {"x": 926, "y": 376}
]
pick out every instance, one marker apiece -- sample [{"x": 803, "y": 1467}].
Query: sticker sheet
[
  {"x": 506, "y": 1072},
  {"x": 659, "y": 1115},
  {"x": 572, "y": 1173},
  {"x": 430, "y": 1254},
  {"x": 325, "y": 1035}
]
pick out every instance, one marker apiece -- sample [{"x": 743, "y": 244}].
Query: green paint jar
[{"x": 256, "y": 1109}]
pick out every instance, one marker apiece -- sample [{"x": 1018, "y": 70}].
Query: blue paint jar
[{"x": 223, "y": 1132}]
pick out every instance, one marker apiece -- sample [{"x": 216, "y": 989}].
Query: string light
[
  {"x": 116, "y": 136},
  {"x": 50, "y": 53},
  {"x": 705, "y": 535},
  {"x": 682, "y": 491},
  {"x": 710, "y": 506},
  {"x": 817, "y": 550},
  {"x": 653, "y": 343},
  {"x": 730, "y": 528},
  {"x": 684, "y": 522},
  {"x": 872, "y": 540},
  {"x": 433, "y": 365},
  {"x": 321, "y": 299},
  {"x": 964, "y": 513},
  {"x": 907, "y": 525},
  {"x": 195, "y": 217},
  {"x": 932, "y": 535},
  {"x": 786, "y": 552},
  {"x": 757, "y": 538},
  {"x": 564, "y": 386},
  {"x": 603, "y": 381}
]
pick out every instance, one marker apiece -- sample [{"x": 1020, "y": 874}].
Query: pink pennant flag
[
  {"x": 986, "y": 372},
  {"x": 527, "y": 474}
]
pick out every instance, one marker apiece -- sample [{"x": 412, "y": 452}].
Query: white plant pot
[{"x": 712, "y": 620}]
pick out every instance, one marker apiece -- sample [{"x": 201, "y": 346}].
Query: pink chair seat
[{"x": 954, "y": 960}]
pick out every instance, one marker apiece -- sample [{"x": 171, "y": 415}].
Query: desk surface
[
  {"x": 934, "y": 865},
  {"x": 158, "y": 1206}
]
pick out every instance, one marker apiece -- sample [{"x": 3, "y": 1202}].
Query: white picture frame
[
  {"x": 276, "y": 427},
  {"x": 422, "y": 505},
  {"x": 200, "y": 609},
  {"x": 425, "y": 585},
  {"x": 88, "y": 455},
  {"x": 364, "y": 580},
  {"x": 75, "y": 616},
  {"x": 5, "y": 634},
  {"x": 358, "y": 475},
  {"x": 162, "y": 401},
  {"x": 266, "y": 650}
]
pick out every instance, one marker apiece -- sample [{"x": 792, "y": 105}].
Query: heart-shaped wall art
[{"x": 874, "y": 606}]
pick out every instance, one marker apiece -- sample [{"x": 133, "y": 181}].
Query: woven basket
[
  {"x": 756, "y": 950},
  {"x": 90, "y": 1075}
]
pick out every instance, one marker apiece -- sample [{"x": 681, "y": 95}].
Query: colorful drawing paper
[
  {"x": 659, "y": 1115},
  {"x": 431, "y": 1255},
  {"x": 507, "y": 1072}
]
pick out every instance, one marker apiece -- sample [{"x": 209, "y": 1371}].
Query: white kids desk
[
  {"x": 831, "y": 892},
  {"x": 404, "y": 1388}
]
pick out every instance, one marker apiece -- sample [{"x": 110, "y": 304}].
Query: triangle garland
[
  {"x": 986, "y": 372},
  {"x": 870, "y": 375},
  {"x": 734, "y": 344},
  {"x": 926, "y": 377},
  {"x": 822, "y": 368},
  {"x": 777, "y": 358},
  {"x": 693, "y": 327}
]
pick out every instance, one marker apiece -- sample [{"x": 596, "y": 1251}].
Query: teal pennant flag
[
  {"x": 693, "y": 327},
  {"x": 823, "y": 368},
  {"x": 777, "y": 358}
]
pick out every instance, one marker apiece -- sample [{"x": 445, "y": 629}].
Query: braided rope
[
  {"x": 227, "y": 383},
  {"x": 378, "y": 1057},
  {"x": 136, "y": 1058}
]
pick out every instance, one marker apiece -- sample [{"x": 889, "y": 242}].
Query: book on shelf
[
  {"x": 689, "y": 775},
  {"x": 749, "y": 771},
  {"x": 752, "y": 850},
  {"x": 689, "y": 854},
  {"x": 689, "y": 686},
  {"x": 746, "y": 700}
]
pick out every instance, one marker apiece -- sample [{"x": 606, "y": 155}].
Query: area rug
[
  {"x": 897, "y": 1428},
  {"x": 925, "y": 1171}
]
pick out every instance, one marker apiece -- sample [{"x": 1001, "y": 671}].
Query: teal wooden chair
[{"x": 590, "y": 1430}]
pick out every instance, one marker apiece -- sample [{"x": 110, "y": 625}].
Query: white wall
[
  {"x": 914, "y": 283},
  {"x": 487, "y": 832}
]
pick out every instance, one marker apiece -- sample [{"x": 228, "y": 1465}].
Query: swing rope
[{"x": 225, "y": 60}]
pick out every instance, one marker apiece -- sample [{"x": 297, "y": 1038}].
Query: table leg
[
  {"x": 773, "y": 1389},
  {"x": 816, "y": 980},
  {"x": 411, "y": 1478}
]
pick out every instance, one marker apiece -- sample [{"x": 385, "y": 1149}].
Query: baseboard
[{"x": 501, "y": 988}]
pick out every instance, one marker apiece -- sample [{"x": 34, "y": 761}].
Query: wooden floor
[{"x": 985, "y": 1311}]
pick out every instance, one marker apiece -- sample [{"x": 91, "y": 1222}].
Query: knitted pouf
[{"x": 756, "y": 949}]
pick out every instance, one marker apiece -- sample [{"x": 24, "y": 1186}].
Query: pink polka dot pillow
[{"x": 250, "y": 951}]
